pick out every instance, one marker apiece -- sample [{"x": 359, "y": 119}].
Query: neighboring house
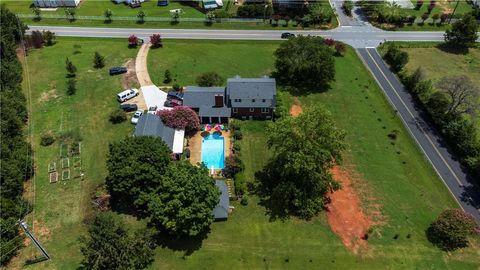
[
  {"x": 252, "y": 98},
  {"x": 55, "y": 3},
  {"x": 245, "y": 98},
  {"x": 220, "y": 212},
  {"x": 151, "y": 125},
  {"x": 208, "y": 102}
]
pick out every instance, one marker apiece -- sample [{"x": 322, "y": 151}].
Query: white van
[{"x": 127, "y": 94}]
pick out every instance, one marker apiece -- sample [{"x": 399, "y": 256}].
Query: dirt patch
[
  {"x": 296, "y": 108},
  {"x": 345, "y": 215},
  {"x": 129, "y": 79},
  {"x": 48, "y": 95},
  {"x": 445, "y": 6}
]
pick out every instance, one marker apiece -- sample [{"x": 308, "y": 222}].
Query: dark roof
[
  {"x": 203, "y": 98},
  {"x": 221, "y": 210},
  {"x": 151, "y": 125},
  {"x": 249, "y": 89}
]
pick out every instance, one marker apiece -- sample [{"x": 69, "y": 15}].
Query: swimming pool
[{"x": 213, "y": 153}]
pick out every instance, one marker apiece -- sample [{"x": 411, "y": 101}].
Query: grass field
[{"x": 410, "y": 195}]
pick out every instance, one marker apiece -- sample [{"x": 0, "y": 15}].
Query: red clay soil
[
  {"x": 345, "y": 214},
  {"x": 296, "y": 109}
]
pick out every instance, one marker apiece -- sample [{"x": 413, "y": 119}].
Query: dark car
[
  {"x": 117, "y": 70},
  {"x": 172, "y": 103},
  {"x": 287, "y": 35},
  {"x": 129, "y": 107},
  {"x": 175, "y": 95}
]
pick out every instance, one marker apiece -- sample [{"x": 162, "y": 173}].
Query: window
[
  {"x": 253, "y": 100},
  {"x": 264, "y": 100},
  {"x": 238, "y": 100},
  {"x": 265, "y": 110},
  {"x": 235, "y": 110},
  {"x": 252, "y": 109}
]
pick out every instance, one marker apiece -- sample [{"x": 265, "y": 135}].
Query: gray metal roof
[
  {"x": 151, "y": 125},
  {"x": 253, "y": 92},
  {"x": 221, "y": 210},
  {"x": 204, "y": 99}
]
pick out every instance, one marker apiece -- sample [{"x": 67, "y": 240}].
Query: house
[
  {"x": 151, "y": 125},
  {"x": 244, "y": 98},
  {"x": 252, "y": 98},
  {"x": 55, "y": 3},
  {"x": 208, "y": 102},
  {"x": 220, "y": 212}
]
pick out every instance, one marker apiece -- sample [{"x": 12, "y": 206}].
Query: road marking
[
  {"x": 419, "y": 127},
  {"x": 408, "y": 129}
]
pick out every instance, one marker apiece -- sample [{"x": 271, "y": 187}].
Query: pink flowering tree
[{"x": 181, "y": 117}]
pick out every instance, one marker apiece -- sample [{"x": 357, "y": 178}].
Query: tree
[
  {"x": 347, "y": 7},
  {"x": 320, "y": 14},
  {"x": 109, "y": 245},
  {"x": 70, "y": 14},
  {"x": 70, "y": 67},
  {"x": 305, "y": 61},
  {"x": 135, "y": 166},
  {"x": 463, "y": 33},
  {"x": 175, "y": 17},
  {"x": 141, "y": 16},
  {"x": 233, "y": 165},
  {"x": 340, "y": 48},
  {"x": 396, "y": 58},
  {"x": 118, "y": 116},
  {"x": 38, "y": 13},
  {"x": 108, "y": 13},
  {"x": 132, "y": 41},
  {"x": 276, "y": 18},
  {"x": 98, "y": 60},
  {"x": 444, "y": 18},
  {"x": 156, "y": 40},
  {"x": 49, "y": 37},
  {"x": 181, "y": 117},
  {"x": 167, "y": 76},
  {"x": 183, "y": 201},
  {"x": 451, "y": 229},
  {"x": 435, "y": 17},
  {"x": 37, "y": 39},
  {"x": 71, "y": 86},
  {"x": 210, "y": 16},
  {"x": 209, "y": 79},
  {"x": 286, "y": 19},
  {"x": 297, "y": 179},
  {"x": 425, "y": 17},
  {"x": 462, "y": 92}
]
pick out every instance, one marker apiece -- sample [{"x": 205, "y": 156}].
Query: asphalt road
[
  {"x": 356, "y": 36},
  {"x": 424, "y": 134},
  {"x": 365, "y": 38}
]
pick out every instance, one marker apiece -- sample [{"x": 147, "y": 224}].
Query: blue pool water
[{"x": 213, "y": 153}]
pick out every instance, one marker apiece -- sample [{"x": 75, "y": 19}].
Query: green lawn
[{"x": 410, "y": 194}]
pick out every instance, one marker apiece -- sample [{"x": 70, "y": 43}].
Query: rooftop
[
  {"x": 151, "y": 125},
  {"x": 221, "y": 210}
]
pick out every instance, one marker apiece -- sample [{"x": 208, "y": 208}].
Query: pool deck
[{"x": 195, "y": 146}]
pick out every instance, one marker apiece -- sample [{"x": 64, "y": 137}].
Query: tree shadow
[
  {"x": 452, "y": 49},
  {"x": 305, "y": 90},
  {"x": 188, "y": 245},
  {"x": 274, "y": 208},
  {"x": 174, "y": 22}
]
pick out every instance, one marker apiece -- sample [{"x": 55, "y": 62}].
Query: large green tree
[
  {"x": 135, "y": 165},
  {"x": 182, "y": 203},
  {"x": 297, "y": 178},
  {"x": 463, "y": 33},
  {"x": 304, "y": 61},
  {"x": 109, "y": 245}
]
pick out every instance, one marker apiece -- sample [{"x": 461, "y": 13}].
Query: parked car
[
  {"x": 136, "y": 115},
  {"x": 127, "y": 94},
  {"x": 152, "y": 110},
  {"x": 129, "y": 107},
  {"x": 172, "y": 103},
  {"x": 117, "y": 70},
  {"x": 175, "y": 95},
  {"x": 287, "y": 35}
]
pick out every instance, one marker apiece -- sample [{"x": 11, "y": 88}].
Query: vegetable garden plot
[
  {"x": 65, "y": 163},
  {"x": 52, "y": 167},
  {"x": 63, "y": 150},
  {"x": 66, "y": 174},
  {"x": 53, "y": 177}
]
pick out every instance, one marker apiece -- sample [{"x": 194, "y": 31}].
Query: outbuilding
[{"x": 152, "y": 125}]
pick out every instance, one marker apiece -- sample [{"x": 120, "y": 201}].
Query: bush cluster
[
  {"x": 118, "y": 116},
  {"x": 180, "y": 117}
]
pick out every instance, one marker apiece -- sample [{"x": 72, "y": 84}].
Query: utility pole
[
  {"x": 451, "y": 16},
  {"x": 37, "y": 244}
]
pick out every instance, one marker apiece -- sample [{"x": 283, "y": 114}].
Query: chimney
[{"x": 218, "y": 100}]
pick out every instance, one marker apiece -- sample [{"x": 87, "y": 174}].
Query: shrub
[
  {"x": 180, "y": 117},
  {"x": 396, "y": 58},
  {"x": 451, "y": 229},
  {"x": 167, "y": 76},
  {"x": 118, "y": 116},
  {"x": 244, "y": 200},
  {"x": 237, "y": 134},
  {"x": 209, "y": 79},
  {"x": 47, "y": 138},
  {"x": 49, "y": 37},
  {"x": 132, "y": 41},
  {"x": 234, "y": 125},
  {"x": 98, "y": 60},
  {"x": 340, "y": 48},
  {"x": 71, "y": 86},
  {"x": 37, "y": 39},
  {"x": 236, "y": 147},
  {"x": 156, "y": 41},
  {"x": 240, "y": 184},
  {"x": 233, "y": 165},
  {"x": 176, "y": 87}
]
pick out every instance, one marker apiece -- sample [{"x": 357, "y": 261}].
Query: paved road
[
  {"x": 426, "y": 137},
  {"x": 364, "y": 38},
  {"x": 356, "y": 36}
]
